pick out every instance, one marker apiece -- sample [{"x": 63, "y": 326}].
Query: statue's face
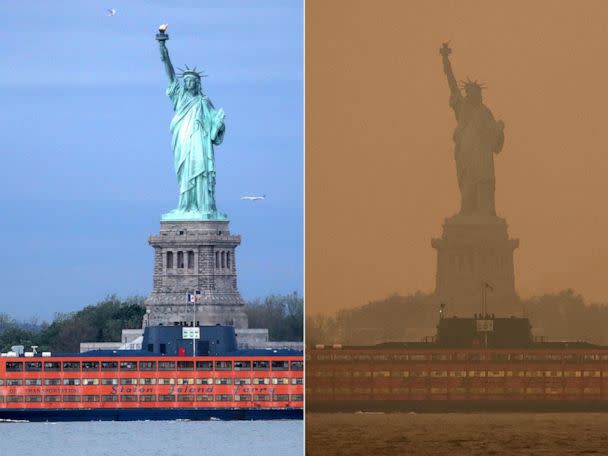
[
  {"x": 473, "y": 94},
  {"x": 192, "y": 84}
]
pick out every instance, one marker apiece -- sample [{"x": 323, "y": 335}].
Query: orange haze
[{"x": 380, "y": 173}]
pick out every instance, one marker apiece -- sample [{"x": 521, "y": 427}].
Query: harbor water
[
  {"x": 153, "y": 438},
  {"x": 454, "y": 434}
]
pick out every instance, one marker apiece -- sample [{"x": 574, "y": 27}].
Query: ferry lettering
[{"x": 190, "y": 390}]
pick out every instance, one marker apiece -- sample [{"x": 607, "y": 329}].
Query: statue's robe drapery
[
  {"x": 196, "y": 127},
  {"x": 476, "y": 138}
]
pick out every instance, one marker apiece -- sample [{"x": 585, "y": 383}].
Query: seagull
[
  {"x": 111, "y": 12},
  {"x": 253, "y": 198}
]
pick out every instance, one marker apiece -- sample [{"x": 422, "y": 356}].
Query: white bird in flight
[
  {"x": 253, "y": 198},
  {"x": 111, "y": 12}
]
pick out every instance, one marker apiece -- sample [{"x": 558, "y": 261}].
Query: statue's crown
[
  {"x": 468, "y": 84},
  {"x": 190, "y": 72}
]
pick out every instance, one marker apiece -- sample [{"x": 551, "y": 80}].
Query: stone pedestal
[
  {"x": 189, "y": 256},
  {"x": 474, "y": 250}
]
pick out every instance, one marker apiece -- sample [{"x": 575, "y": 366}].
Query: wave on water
[{"x": 13, "y": 421}]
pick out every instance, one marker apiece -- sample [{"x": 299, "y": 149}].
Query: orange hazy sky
[{"x": 380, "y": 173}]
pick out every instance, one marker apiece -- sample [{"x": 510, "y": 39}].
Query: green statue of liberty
[{"x": 196, "y": 127}]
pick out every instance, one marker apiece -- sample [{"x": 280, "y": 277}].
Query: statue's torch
[{"x": 161, "y": 36}]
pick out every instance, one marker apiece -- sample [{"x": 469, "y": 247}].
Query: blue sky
[{"x": 86, "y": 167}]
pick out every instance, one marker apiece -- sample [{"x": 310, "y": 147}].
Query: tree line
[
  {"x": 562, "y": 316},
  {"x": 104, "y": 321}
]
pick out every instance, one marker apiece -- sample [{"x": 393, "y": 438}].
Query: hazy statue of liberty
[
  {"x": 476, "y": 138},
  {"x": 196, "y": 127}
]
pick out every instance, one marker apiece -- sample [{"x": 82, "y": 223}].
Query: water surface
[
  {"x": 358, "y": 434},
  {"x": 152, "y": 438}
]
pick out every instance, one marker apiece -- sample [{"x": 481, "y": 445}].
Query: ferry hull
[
  {"x": 462, "y": 406},
  {"x": 155, "y": 414}
]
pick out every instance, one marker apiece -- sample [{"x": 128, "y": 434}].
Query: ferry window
[
  {"x": 90, "y": 381},
  {"x": 166, "y": 365},
  {"x": 14, "y": 366},
  {"x": 297, "y": 365},
  {"x": 204, "y": 397},
  {"x": 71, "y": 381},
  {"x": 14, "y": 398},
  {"x": 166, "y": 398},
  {"x": 280, "y": 397},
  {"x": 242, "y": 381},
  {"x": 90, "y": 398},
  {"x": 190, "y": 259},
  {"x": 242, "y": 397},
  {"x": 440, "y": 357},
  {"x": 297, "y": 397},
  {"x": 261, "y": 381},
  {"x": 280, "y": 381},
  {"x": 260, "y": 365},
  {"x": 147, "y": 365},
  {"x": 33, "y": 382},
  {"x": 204, "y": 365},
  {"x": 13, "y": 382},
  {"x": 180, "y": 259},
  {"x": 109, "y": 366},
  {"x": 460, "y": 356},
  {"x": 439, "y": 373},
  {"x": 554, "y": 356},
  {"x": 223, "y": 397},
  {"x": 417, "y": 357},
  {"x": 223, "y": 365},
  {"x": 50, "y": 366},
  {"x": 242, "y": 365},
  {"x": 591, "y": 357},
  {"x": 1, "y": 382},
  {"x": 128, "y": 398},
  {"x": 147, "y": 381},
  {"x": 297, "y": 381},
  {"x": 33, "y": 366},
  {"x": 71, "y": 366},
  {"x": 185, "y": 365},
  {"x": 1, "y": 399},
  {"x": 33, "y": 398},
  {"x": 261, "y": 397},
  {"x": 109, "y": 398},
  {"x": 128, "y": 365},
  {"x": 128, "y": 381},
  {"x": 147, "y": 398},
  {"x": 71, "y": 398},
  {"x": 166, "y": 381},
  {"x": 500, "y": 357},
  {"x": 223, "y": 381},
  {"x": 52, "y": 381},
  {"x": 169, "y": 260},
  {"x": 90, "y": 365},
  {"x": 204, "y": 381},
  {"x": 185, "y": 397},
  {"x": 109, "y": 381},
  {"x": 280, "y": 365},
  {"x": 185, "y": 381},
  {"x": 52, "y": 398}
]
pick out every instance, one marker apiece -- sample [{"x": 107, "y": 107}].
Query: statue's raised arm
[
  {"x": 445, "y": 51},
  {"x": 161, "y": 37}
]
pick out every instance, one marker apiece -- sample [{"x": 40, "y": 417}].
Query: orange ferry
[
  {"x": 163, "y": 382},
  {"x": 473, "y": 364}
]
